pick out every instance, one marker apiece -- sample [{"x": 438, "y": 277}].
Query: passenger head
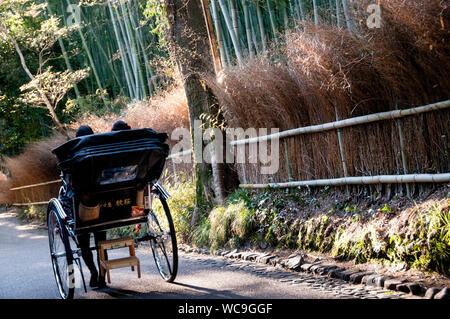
[
  {"x": 84, "y": 130},
  {"x": 120, "y": 125}
]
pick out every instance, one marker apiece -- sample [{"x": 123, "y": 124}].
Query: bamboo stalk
[
  {"x": 316, "y": 14},
  {"x": 402, "y": 150},
  {"x": 140, "y": 38},
  {"x": 302, "y": 11},
  {"x": 123, "y": 56},
  {"x": 89, "y": 57},
  {"x": 248, "y": 29},
  {"x": 338, "y": 15},
  {"x": 212, "y": 40},
  {"x": 234, "y": 39},
  {"x": 272, "y": 20},
  {"x": 390, "y": 115},
  {"x": 126, "y": 45},
  {"x": 234, "y": 18},
  {"x": 261, "y": 26},
  {"x": 66, "y": 58},
  {"x": 135, "y": 50},
  {"x": 219, "y": 33},
  {"x": 285, "y": 18},
  {"x": 100, "y": 48},
  {"x": 341, "y": 149},
  {"x": 226, "y": 42},
  {"x": 146, "y": 64},
  {"x": 253, "y": 33},
  {"x": 294, "y": 12},
  {"x": 330, "y": 10},
  {"x": 132, "y": 46},
  {"x": 35, "y": 185},
  {"x": 348, "y": 19},
  {"x": 30, "y": 204}
]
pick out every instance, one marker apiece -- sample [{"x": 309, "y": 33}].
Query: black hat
[
  {"x": 84, "y": 130},
  {"x": 120, "y": 125}
]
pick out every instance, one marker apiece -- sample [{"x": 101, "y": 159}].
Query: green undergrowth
[
  {"x": 32, "y": 213},
  {"x": 417, "y": 234}
]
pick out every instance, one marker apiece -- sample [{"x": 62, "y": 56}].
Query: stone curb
[{"x": 297, "y": 263}]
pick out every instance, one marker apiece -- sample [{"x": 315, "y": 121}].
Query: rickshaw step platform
[
  {"x": 107, "y": 265},
  {"x": 120, "y": 262}
]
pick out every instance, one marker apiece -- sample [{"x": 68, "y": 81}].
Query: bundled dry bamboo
[
  {"x": 35, "y": 165},
  {"x": 328, "y": 72}
]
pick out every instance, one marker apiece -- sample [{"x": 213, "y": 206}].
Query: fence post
[
  {"x": 244, "y": 179},
  {"x": 341, "y": 150},
  {"x": 402, "y": 150},
  {"x": 288, "y": 165},
  {"x": 174, "y": 171}
]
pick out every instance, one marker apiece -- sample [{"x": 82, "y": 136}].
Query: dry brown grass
[
  {"x": 162, "y": 113},
  {"x": 35, "y": 165},
  {"x": 403, "y": 64}
]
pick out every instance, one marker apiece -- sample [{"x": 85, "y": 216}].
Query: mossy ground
[{"x": 357, "y": 228}]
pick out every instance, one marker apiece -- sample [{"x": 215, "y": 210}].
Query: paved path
[{"x": 26, "y": 272}]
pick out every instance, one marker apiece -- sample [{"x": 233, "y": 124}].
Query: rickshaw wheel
[
  {"x": 163, "y": 242},
  {"x": 60, "y": 252}
]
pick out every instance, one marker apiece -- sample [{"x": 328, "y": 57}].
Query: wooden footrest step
[
  {"x": 107, "y": 265},
  {"x": 120, "y": 262}
]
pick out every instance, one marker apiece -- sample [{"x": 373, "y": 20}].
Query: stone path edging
[{"x": 306, "y": 263}]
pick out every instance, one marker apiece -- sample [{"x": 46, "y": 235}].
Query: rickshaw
[{"x": 110, "y": 180}]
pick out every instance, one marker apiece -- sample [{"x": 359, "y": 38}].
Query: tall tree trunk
[{"x": 189, "y": 43}]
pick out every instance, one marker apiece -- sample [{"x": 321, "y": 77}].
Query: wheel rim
[
  {"x": 163, "y": 245},
  {"x": 62, "y": 267}
]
